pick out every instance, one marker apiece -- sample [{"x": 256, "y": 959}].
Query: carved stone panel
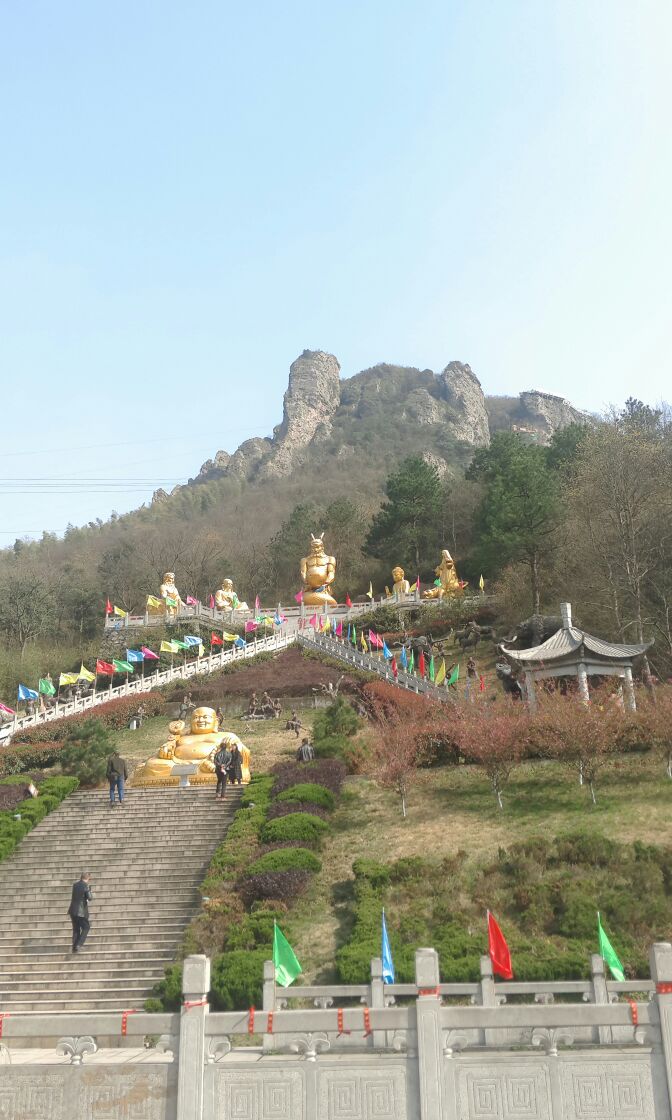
[
  {"x": 491, "y": 1092},
  {"x": 607, "y": 1090},
  {"x": 259, "y": 1095},
  {"x": 32, "y": 1095},
  {"x": 138, "y": 1095},
  {"x": 370, "y": 1094}
]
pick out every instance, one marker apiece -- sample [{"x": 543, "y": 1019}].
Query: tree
[
  {"x": 407, "y": 529},
  {"x": 582, "y": 736},
  {"x": 86, "y": 751},
  {"x": 653, "y": 722},
  {"x": 402, "y": 732},
  {"x": 520, "y": 509},
  {"x": 493, "y": 737}
]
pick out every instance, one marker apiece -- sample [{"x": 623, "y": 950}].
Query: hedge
[
  {"x": 286, "y": 859},
  {"x": 20, "y": 760},
  {"x": 298, "y": 826},
  {"x": 284, "y": 808},
  {"x": 31, "y": 812},
  {"x": 328, "y": 772},
  {"x": 309, "y": 791},
  {"x": 281, "y": 886}
]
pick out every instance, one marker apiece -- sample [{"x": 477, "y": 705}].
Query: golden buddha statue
[
  {"x": 170, "y": 595},
  {"x": 226, "y": 598},
  {"x": 318, "y": 572},
  {"x": 400, "y": 586},
  {"x": 448, "y": 584},
  {"x": 198, "y": 745}
]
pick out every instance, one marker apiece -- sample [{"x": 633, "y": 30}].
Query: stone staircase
[{"x": 146, "y": 861}]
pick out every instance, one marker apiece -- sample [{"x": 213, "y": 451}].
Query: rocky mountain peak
[
  {"x": 312, "y": 397},
  {"x": 462, "y": 390},
  {"x": 546, "y": 413}
]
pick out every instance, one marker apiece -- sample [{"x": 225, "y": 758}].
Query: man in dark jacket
[
  {"x": 79, "y": 910},
  {"x": 117, "y": 772},
  {"x": 222, "y": 761}
]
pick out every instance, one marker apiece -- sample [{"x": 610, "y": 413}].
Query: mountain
[{"x": 383, "y": 413}]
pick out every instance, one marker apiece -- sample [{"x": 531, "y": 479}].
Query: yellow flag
[
  {"x": 152, "y": 601},
  {"x": 85, "y": 675},
  {"x": 67, "y": 678},
  {"x": 169, "y": 647},
  {"x": 119, "y": 613},
  {"x": 413, "y": 587},
  {"x": 229, "y": 637},
  {"x": 481, "y": 583},
  {"x": 370, "y": 591},
  {"x": 201, "y": 649},
  {"x": 363, "y": 642},
  {"x": 440, "y": 673}
]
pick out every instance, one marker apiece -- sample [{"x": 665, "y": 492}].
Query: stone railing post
[
  {"x": 195, "y": 988},
  {"x": 660, "y": 959},
  {"x": 268, "y": 1000},
  {"x": 428, "y": 1022},
  {"x": 487, "y": 996},
  {"x": 377, "y": 998},
  {"x": 600, "y": 994}
]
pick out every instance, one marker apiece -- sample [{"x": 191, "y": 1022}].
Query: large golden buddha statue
[
  {"x": 318, "y": 572},
  {"x": 446, "y": 574},
  {"x": 197, "y": 745},
  {"x": 170, "y": 595},
  {"x": 226, "y": 598},
  {"x": 401, "y": 587}
]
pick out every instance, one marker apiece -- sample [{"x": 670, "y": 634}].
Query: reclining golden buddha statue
[{"x": 198, "y": 745}]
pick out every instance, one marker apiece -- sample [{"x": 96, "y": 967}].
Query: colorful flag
[
  {"x": 386, "y": 653},
  {"x": 432, "y": 672},
  {"x": 257, "y": 604},
  {"x": 374, "y": 640},
  {"x": 46, "y": 686},
  {"x": 441, "y": 673},
  {"x": 418, "y": 585},
  {"x": 212, "y": 602},
  {"x": 104, "y": 668},
  {"x": 154, "y": 603},
  {"x": 437, "y": 582},
  {"x": 481, "y": 684},
  {"x": 403, "y": 658},
  {"x": 299, "y": 596},
  {"x": 85, "y": 674},
  {"x": 411, "y": 664},
  {"x": 349, "y": 638},
  {"x": 119, "y": 613},
  {"x": 26, "y": 693},
  {"x": 148, "y": 654},
  {"x": 215, "y": 639},
  {"x": 180, "y": 644},
  {"x": 122, "y": 666},
  {"x": 250, "y": 626},
  {"x": 239, "y": 643},
  {"x": 354, "y": 634},
  {"x": 481, "y": 583},
  {"x": 498, "y": 950},
  {"x": 167, "y": 647},
  {"x": 135, "y": 655},
  {"x": 192, "y": 639},
  {"x": 608, "y": 953},
  {"x": 170, "y": 602},
  {"x": 421, "y": 664},
  {"x": 326, "y": 625},
  {"x": 312, "y": 621},
  {"x": 279, "y": 619},
  {"x": 348, "y": 600},
  {"x": 370, "y": 591},
  {"x": 191, "y": 602},
  {"x": 393, "y": 666},
  {"x": 227, "y": 637},
  {"x": 339, "y": 630},
  {"x": 108, "y": 607},
  {"x": 67, "y": 678},
  {"x": 413, "y": 587},
  {"x": 454, "y": 676},
  {"x": 362, "y": 641},
  {"x": 287, "y": 967},
  {"x": 386, "y": 955},
  {"x": 201, "y": 649},
  {"x": 8, "y": 711}
]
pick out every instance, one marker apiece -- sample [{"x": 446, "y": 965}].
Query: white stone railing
[{"x": 373, "y": 663}]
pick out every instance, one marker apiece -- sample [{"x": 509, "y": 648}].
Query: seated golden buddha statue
[
  {"x": 448, "y": 584},
  {"x": 318, "y": 572},
  {"x": 170, "y": 595},
  {"x": 400, "y": 586},
  {"x": 197, "y": 745},
  {"x": 226, "y": 598}
]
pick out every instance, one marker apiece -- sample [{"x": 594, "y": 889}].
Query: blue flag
[
  {"x": 279, "y": 619},
  {"x": 192, "y": 640},
  {"x": 403, "y": 658},
  {"x": 240, "y": 643},
  {"x": 386, "y": 954},
  {"x": 134, "y": 655},
  {"x": 386, "y": 653},
  {"x": 349, "y": 629},
  {"x": 27, "y": 693}
]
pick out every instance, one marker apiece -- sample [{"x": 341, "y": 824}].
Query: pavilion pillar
[
  {"x": 629, "y": 690},
  {"x": 583, "y": 682},
  {"x": 530, "y": 690}
]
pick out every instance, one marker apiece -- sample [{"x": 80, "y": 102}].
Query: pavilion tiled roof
[{"x": 568, "y": 640}]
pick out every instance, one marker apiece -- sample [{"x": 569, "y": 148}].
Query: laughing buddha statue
[{"x": 198, "y": 745}]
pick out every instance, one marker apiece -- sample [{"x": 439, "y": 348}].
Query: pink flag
[
  {"x": 10, "y": 711},
  {"x": 299, "y": 596},
  {"x": 257, "y": 604},
  {"x": 249, "y": 626},
  {"x": 191, "y": 602},
  {"x": 339, "y": 630},
  {"x": 375, "y": 641},
  {"x": 313, "y": 621},
  {"x": 417, "y": 584},
  {"x": 149, "y": 654},
  {"x": 212, "y": 602}
]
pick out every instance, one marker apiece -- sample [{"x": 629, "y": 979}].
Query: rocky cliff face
[{"x": 387, "y": 411}]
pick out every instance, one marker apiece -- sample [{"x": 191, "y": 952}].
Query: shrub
[
  {"x": 255, "y": 930},
  {"x": 168, "y": 992},
  {"x": 286, "y": 886},
  {"x": 284, "y": 808},
  {"x": 339, "y": 719},
  {"x": 32, "y": 811},
  {"x": 21, "y": 760},
  {"x": 377, "y": 874},
  {"x": 298, "y": 826},
  {"x": 237, "y": 979},
  {"x": 286, "y": 859},
  {"x": 327, "y": 772},
  {"x": 309, "y": 791},
  {"x": 114, "y": 715},
  {"x": 86, "y": 751}
]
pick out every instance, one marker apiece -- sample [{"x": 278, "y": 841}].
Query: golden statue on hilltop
[
  {"x": 198, "y": 745},
  {"x": 318, "y": 572},
  {"x": 448, "y": 584},
  {"x": 400, "y": 586},
  {"x": 172, "y": 600},
  {"x": 226, "y": 598}
]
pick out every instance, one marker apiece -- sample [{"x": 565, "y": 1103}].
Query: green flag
[
  {"x": 46, "y": 687},
  {"x": 122, "y": 667},
  {"x": 432, "y": 674},
  {"x": 608, "y": 953},
  {"x": 180, "y": 644},
  {"x": 411, "y": 664},
  {"x": 354, "y": 635},
  {"x": 287, "y": 968},
  {"x": 454, "y": 676}
]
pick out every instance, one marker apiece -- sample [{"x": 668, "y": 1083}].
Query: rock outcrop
[
  {"x": 462, "y": 390},
  {"x": 546, "y": 413},
  {"x": 312, "y": 397}
]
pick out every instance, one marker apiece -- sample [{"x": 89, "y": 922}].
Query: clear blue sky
[{"x": 192, "y": 193}]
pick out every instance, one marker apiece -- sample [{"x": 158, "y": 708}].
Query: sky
[{"x": 191, "y": 194}]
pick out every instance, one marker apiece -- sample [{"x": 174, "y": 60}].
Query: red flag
[
  {"x": 215, "y": 639},
  {"x": 104, "y": 667},
  {"x": 212, "y": 602},
  {"x": 108, "y": 607},
  {"x": 421, "y": 664},
  {"x": 348, "y": 600},
  {"x": 499, "y": 950},
  {"x": 393, "y": 666},
  {"x": 481, "y": 685}
]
